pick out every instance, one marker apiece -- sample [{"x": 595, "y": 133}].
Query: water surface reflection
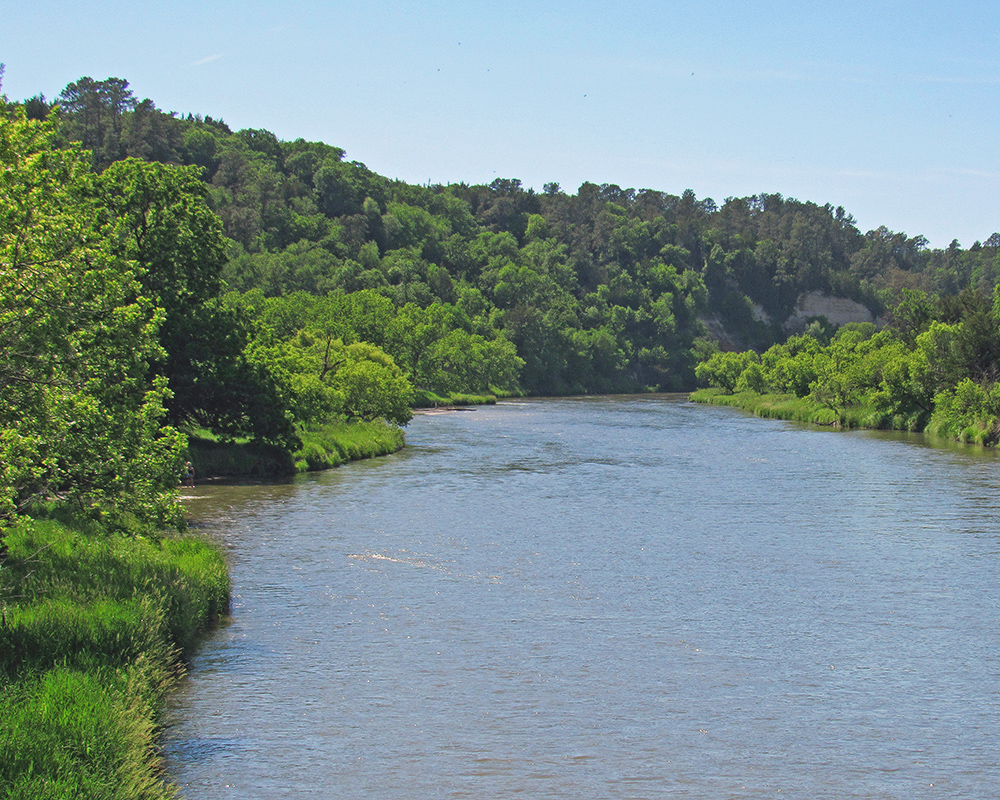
[{"x": 609, "y": 597}]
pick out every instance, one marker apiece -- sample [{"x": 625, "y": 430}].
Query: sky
[{"x": 889, "y": 109}]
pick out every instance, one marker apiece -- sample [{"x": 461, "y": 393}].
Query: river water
[{"x": 631, "y": 597}]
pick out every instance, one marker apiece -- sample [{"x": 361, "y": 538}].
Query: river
[{"x": 625, "y": 597}]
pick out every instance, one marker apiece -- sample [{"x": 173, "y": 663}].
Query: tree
[
  {"x": 80, "y": 416},
  {"x": 94, "y": 112},
  {"x": 156, "y": 216},
  {"x": 723, "y": 370},
  {"x": 330, "y": 379},
  {"x": 462, "y": 362}
]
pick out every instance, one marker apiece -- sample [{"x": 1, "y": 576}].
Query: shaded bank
[{"x": 323, "y": 447}]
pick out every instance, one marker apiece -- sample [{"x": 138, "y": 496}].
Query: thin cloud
[{"x": 205, "y": 60}]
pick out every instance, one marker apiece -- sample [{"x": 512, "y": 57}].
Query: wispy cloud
[{"x": 205, "y": 60}]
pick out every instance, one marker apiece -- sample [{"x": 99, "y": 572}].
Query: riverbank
[
  {"x": 323, "y": 447},
  {"x": 94, "y": 629},
  {"x": 777, "y": 406},
  {"x": 966, "y": 426},
  {"x": 425, "y": 399},
  {"x": 95, "y": 625}
]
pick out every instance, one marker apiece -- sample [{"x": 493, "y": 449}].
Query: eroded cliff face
[{"x": 838, "y": 310}]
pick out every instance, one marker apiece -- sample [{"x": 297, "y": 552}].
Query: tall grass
[
  {"x": 424, "y": 398},
  {"x": 335, "y": 443},
  {"x": 773, "y": 406},
  {"x": 323, "y": 446},
  {"x": 92, "y": 628},
  {"x": 70, "y": 734},
  {"x": 805, "y": 409}
]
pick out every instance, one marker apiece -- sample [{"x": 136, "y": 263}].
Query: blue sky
[{"x": 889, "y": 109}]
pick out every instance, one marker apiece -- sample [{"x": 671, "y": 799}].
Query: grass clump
[
  {"x": 424, "y": 398},
  {"x": 335, "y": 443},
  {"x": 323, "y": 446},
  {"x": 73, "y": 734},
  {"x": 776, "y": 406},
  {"x": 808, "y": 410},
  {"x": 93, "y": 626}
]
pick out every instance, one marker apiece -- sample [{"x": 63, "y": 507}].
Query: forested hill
[{"x": 605, "y": 289}]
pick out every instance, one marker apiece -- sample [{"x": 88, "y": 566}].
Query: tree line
[{"x": 603, "y": 290}]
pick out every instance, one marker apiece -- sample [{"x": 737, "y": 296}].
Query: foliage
[
  {"x": 576, "y": 281},
  {"x": 79, "y": 416},
  {"x": 921, "y": 373},
  {"x": 724, "y": 370},
  {"x": 600, "y": 290},
  {"x": 968, "y": 412},
  {"x": 156, "y": 216}
]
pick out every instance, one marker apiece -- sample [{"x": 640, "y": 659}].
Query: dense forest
[
  {"x": 607, "y": 289},
  {"x": 934, "y": 367}
]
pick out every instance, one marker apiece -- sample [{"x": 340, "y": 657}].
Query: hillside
[{"x": 605, "y": 289}]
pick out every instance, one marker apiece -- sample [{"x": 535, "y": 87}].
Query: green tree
[
  {"x": 95, "y": 115},
  {"x": 330, "y": 379},
  {"x": 80, "y": 418},
  {"x": 723, "y": 370},
  {"x": 157, "y": 217}
]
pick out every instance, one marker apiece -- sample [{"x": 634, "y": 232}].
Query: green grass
[
  {"x": 335, "y": 443},
  {"x": 82, "y": 735},
  {"x": 93, "y": 628},
  {"x": 323, "y": 447},
  {"x": 427, "y": 399},
  {"x": 804, "y": 409},
  {"x": 773, "y": 406}
]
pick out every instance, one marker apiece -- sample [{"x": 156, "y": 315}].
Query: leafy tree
[
  {"x": 790, "y": 368},
  {"x": 80, "y": 418},
  {"x": 723, "y": 370},
  {"x": 329, "y": 379},
  {"x": 157, "y": 216},
  {"x": 372, "y": 385},
  {"x": 466, "y": 362},
  {"x": 95, "y": 115}
]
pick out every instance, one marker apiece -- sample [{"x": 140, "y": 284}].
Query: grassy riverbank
[
  {"x": 775, "y": 406},
  {"x": 425, "y": 399},
  {"x": 336, "y": 443},
  {"x": 806, "y": 409},
  {"x": 323, "y": 447},
  {"x": 95, "y": 624},
  {"x": 94, "y": 627}
]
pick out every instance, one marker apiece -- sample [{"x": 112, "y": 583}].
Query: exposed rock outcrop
[{"x": 838, "y": 310}]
